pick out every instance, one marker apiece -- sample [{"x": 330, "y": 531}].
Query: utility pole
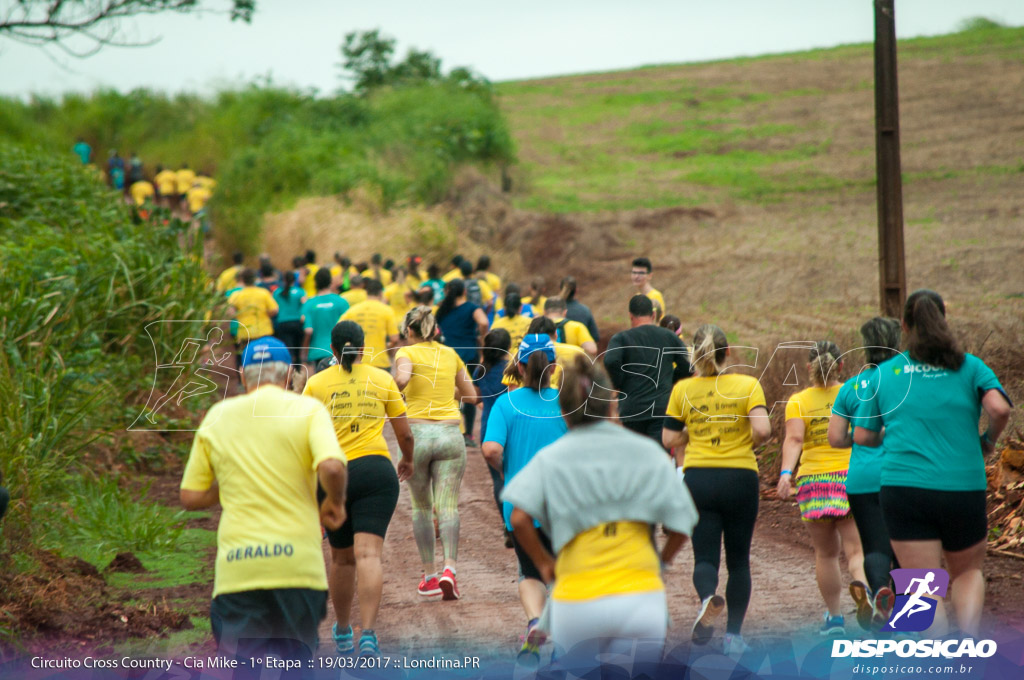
[{"x": 892, "y": 271}]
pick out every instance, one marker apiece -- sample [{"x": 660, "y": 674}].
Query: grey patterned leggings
[{"x": 439, "y": 460}]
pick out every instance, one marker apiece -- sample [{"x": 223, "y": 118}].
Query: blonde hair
[
  {"x": 823, "y": 357},
  {"x": 709, "y": 346},
  {"x": 421, "y": 321}
]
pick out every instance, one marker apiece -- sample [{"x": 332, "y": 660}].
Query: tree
[
  {"x": 367, "y": 57},
  {"x": 97, "y": 23}
]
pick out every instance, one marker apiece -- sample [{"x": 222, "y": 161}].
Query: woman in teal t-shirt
[
  {"x": 929, "y": 401},
  {"x": 288, "y": 322}
]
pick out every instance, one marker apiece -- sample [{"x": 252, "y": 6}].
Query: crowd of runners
[{"x": 591, "y": 457}]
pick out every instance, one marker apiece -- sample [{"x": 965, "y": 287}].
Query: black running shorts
[
  {"x": 956, "y": 518},
  {"x": 527, "y": 569},
  {"x": 370, "y": 502},
  {"x": 283, "y": 622}
]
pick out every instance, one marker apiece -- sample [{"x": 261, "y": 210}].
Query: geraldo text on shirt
[{"x": 947, "y": 649}]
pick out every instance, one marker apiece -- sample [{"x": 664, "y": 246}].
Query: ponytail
[
  {"x": 929, "y": 339},
  {"x": 513, "y": 303},
  {"x": 289, "y": 281},
  {"x": 567, "y": 290},
  {"x": 586, "y": 395},
  {"x": 823, "y": 357},
  {"x": 421, "y": 321},
  {"x": 347, "y": 343},
  {"x": 709, "y": 347},
  {"x": 452, "y": 291},
  {"x": 881, "y": 339}
]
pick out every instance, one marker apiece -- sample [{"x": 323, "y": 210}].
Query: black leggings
[
  {"x": 874, "y": 537},
  {"x": 291, "y": 333},
  {"x": 726, "y": 499}
]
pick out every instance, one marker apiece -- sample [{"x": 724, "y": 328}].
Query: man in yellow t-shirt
[
  {"x": 641, "y": 276},
  {"x": 399, "y": 293},
  {"x": 197, "y": 197},
  {"x": 253, "y": 307},
  {"x": 378, "y": 323},
  {"x": 141, "y": 192},
  {"x": 228, "y": 278},
  {"x": 183, "y": 180},
  {"x": 166, "y": 185},
  {"x": 566, "y": 330},
  {"x": 260, "y": 456},
  {"x": 376, "y": 271},
  {"x": 357, "y": 293},
  {"x": 484, "y": 273},
  {"x": 456, "y": 271},
  {"x": 311, "y": 268}
]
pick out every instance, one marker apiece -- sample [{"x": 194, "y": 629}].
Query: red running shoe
[
  {"x": 429, "y": 588},
  {"x": 449, "y": 588}
]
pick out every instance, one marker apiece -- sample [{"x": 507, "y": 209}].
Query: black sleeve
[
  {"x": 670, "y": 423},
  {"x": 682, "y": 365},
  {"x": 613, "y": 360},
  {"x": 592, "y": 327}
]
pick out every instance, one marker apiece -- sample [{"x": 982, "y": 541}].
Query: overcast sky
[{"x": 296, "y": 42}]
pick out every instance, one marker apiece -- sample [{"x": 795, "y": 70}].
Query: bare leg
[
  {"x": 852, "y": 548},
  {"x": 342, "y": 583},
  {"x": 825, "y": 538},
  {"x": 370, "y": 577},
  {"x": 967, "y": 586},
  {"x": 532, "y": 595}
]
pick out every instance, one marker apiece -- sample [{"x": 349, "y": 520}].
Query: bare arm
[
  {"x": 791, "y": 448},
  {"x": 403, "y": 433},
  {"x": 760, "y": 425},
  {"x": 672, "y": 545},
  {"x": 333, "y": 477},
  {"x": 199, "y": 500},
  {"x": 481, "y": 321},
  {"x": 998, "y": 410},
  {"x": 671, "y": 439},
  {"x": 839, "y": 435},
  {"x": 529, "y": 540},
  {"x": 465, "y": 388},
  {"x": 865, "y": 437},
  {"x": 492, "y": 454},
  {"x": 590, "y": 348},
  {"x": 403, "y": 372}
]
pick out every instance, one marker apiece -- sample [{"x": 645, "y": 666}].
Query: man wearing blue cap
[{"x": 260, "y": 455}]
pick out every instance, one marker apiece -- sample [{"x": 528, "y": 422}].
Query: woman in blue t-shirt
[
  {"x": 288, "y": 323},
  {"x": 462, "y": 324},
  {"x": 929, "y": 401}
]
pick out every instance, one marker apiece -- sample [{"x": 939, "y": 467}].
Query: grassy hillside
[{"x": 762, "y": 129}]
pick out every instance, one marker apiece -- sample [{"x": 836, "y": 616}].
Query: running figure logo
[{"x": 914, "y": 610}]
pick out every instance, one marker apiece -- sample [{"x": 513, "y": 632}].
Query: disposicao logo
[{"x": 918, "y": 591}]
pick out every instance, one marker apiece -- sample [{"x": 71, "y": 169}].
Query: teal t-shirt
[
  {"x": 865, "y": 472},
  {"x": 523, "y": 421},
  {"x": 321, "y": 313},
  {"x": 289, "y": 309},
  {"x": 931, "y": 417}
]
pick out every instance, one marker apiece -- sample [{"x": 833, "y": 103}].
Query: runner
[
  {"x": 488, "y": 379},
  {"x": 319, "y": 315},
  {"x": 673, "y": 323},
  {"x": 166, "y": 186},
  {"x": 135, "y": 173},
  {"x": 196, "y": 197},
  {"x": 342, "y": 271},
  {"x": 183, "y": 179},
  {"x": 724, "y": 416},
  {"x": 398, "y": 294},
  {"x": 521, "y": 423},
  {"x": 484, "y": 273},
  {"x": 309, "y": 282},
  {"x": 477, "y": 290},
  {"x": 456, "y": 270},
  {"x": 288, "y": 328},
  {"x": 253, "y": 307},
  {"x": 141, "y": 192},
  {"x": 609, "y": 596},
  {"x": 525, "y": 309},
  {"x": 432, "y": 376},
  {"x": 863, "y": 482},
  {"x": 378, "y": 323},
  {"x": 260, "y": 455},
  {"x": 577, "y": 311},
  {"x": 821, "y": 481},
  {"x": 568, "y": 331},
  {"x": 536, "y": 298},
  {"x": 357, "y": 292},
  {"x": 115, "y": 171},
  {"x": 641, "y": 276},
  {"x": 462, "y": 324},
  {"x": 377, "y": 271},
  {"x": 82, "y": 150},
  {"x": 512, "y": 318},
  {"x": 644, "y": 363},
  {"x": 435, "y": 283},
  {"x": 359, "y": 398},
  {"x": 414, "y": 277},
  {"x": 929, "y": 401}
]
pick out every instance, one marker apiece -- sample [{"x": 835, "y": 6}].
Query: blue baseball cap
[
  {"x": 536, "y": 342},
  {"x": 266, "y": 349}
]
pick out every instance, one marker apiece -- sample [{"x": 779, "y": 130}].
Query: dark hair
[
  {"x": 882, "y": 339},
  {"x": 538, "y": 283},
  {"x": 347, "y": 343},
  {"x": 466, "y": 267},
  {"x": 453, "y": 290},
  {"x": 424, "y": 296},
  {"x": 709, "y": 347},
  {"x": 310, "y": 257},
  {"x": 298, "y": 261},
  {"x": 483, "y": 263},
  {"x": 266, "y": 270},
  {"x": 586, "y": 394},
  {"x": 432, "y": 271},
  {"x": 929, "y": 339},
  {"x": 375, "y": 258},
  {"x": 542, "y": 325},
  {"x": 421, "y": 321},
  {"x": 374, "y": 287},
  {"x": 641, "y": 305},
  {"x": 496, "y": 347},
  {"x": 248, "y": 276},
  {"x": 289, "y": 281},
  {"x": 555, "y": 304},
  {"x": 567, "y": 289},
  {"x": 322, "y": 279},
  {"x": 823, "y": 358},
  {"x": 536, "y": 375},
  {"x": 389, "y": 264},
  {"x": 457, "y": 260},
  {"x": 643, "y": 262},
  {"x": 673, "y": 323},
  {"x": 413, "y": 265},
  {"x": 237, "y": 257},
  {"x": 513, "y": 303}
]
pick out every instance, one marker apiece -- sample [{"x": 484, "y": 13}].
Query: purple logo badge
[{"x": 916, "y": 593}]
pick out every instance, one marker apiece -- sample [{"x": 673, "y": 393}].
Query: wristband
[{"x": 786, "y": 472}]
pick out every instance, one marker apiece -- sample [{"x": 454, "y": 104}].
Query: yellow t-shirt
[
  {"x": 614, "y": 558},
  {"x": 354, "y": 297},
  {"x": 453, "y": 274},
  {"x": 359, "y": 403},
  {"x": 309, "y": 285},
  {"x": 659, "y": 303},
  {"x": 228, "y": 279},
  {"x": 575, "y": 332},
  {"x": 516, "y": 328},
  {"x": 167, "y": 182},
  {"x": 336, "y": 271},
  {"x": 394, "y": 293},
  {"x": 385, "y": 275},
  {"x": 564, "y": 355},
  {"x": 262, "y": 449},
  {"x": 493, "y": 281},
  {"x": 254, "y": 305},
  {"x": 378, "y": 323},
  {"x": 183, "y": 179},
  {"x": 430, "y": 394},
  {"x": 197, "y": 197},
  {"x": 538, "y": 306},
  {"x": 141, "y": 192},
  {"x": 207, "y": 183},
  {"x": 814, "y": 405},
  {"x": 714, "y": 410}
]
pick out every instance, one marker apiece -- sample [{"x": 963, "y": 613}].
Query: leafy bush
[{"x": 979, "y": 24}]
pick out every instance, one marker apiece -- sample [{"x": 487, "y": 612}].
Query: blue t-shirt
[
  {"x": 491, "y": 388},
  {"x": 460, "y": 331},
  {"x": 289, "y": 309},
  {"x": 83, "y": 151},
  {"x": 865, "y": 472},
  {"x": 931, "y": 417},
  {"x": 523, "y": 421},
  {"x": 321, "y": 313}
]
